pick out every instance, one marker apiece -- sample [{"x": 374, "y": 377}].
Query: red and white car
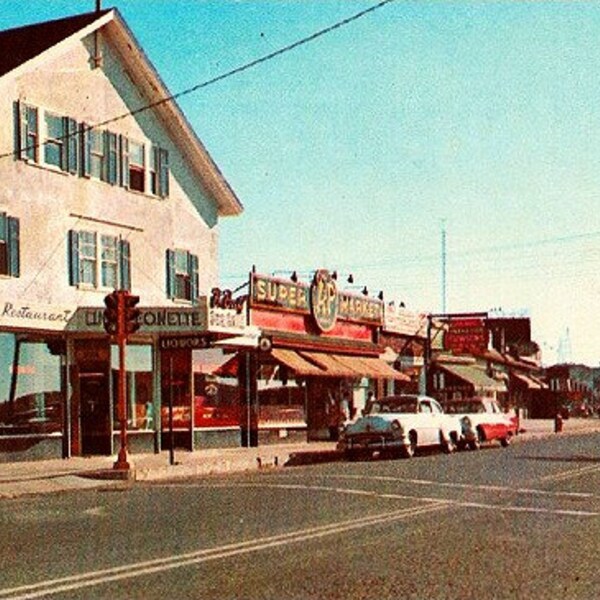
[{"x": 483, "y": 420}]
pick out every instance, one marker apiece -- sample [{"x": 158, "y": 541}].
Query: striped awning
[
  {"x": 342, "y": 365},
  {"x": 474, "y": 375},
  {"x": 296, "y": 363}
]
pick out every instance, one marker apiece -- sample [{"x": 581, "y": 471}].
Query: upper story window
[
  {"x": 9, "y": 246},
  {"x": 95, "y": 152},
  {"x": 55, "y": 143},
  {"x": 80, "y": 149},
  {"x": 99, "y": 261},
  {"x": 137, "y": 167},
  {"x": 182, "y": 275},
  {"x": 28, "y": 132}
]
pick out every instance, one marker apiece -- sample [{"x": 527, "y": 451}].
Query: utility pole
[{"x": 444, "y": 266}]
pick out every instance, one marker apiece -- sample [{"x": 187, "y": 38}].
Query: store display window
[{"x": 31, "y": 385}]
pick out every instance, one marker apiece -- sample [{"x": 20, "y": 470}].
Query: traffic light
[
  {"x": 132, "y": 313},
  {"x": 112, "y": 320}
]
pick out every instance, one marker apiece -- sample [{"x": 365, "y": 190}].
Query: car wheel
[
  {"x": 409, "y": 451},
  {"x": 505, "y": 441},
  {"x": 448, "y": 443},
  {"x": 352, "y": 455},
  {"x": 476, "y": 443}
]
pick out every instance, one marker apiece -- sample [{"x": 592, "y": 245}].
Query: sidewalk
[{"x": 58, "y": 475}]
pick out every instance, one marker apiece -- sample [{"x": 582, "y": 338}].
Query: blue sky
[{"x": 350, "y": 152}]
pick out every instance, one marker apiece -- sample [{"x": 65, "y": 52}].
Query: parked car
[
  {"x": 482, "y": 420},
  {"x": 399, "y": 425}
]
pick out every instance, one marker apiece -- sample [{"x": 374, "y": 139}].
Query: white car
[{"x": 400, "y": 425}]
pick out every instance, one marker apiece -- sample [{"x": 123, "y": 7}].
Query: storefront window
[
  {"x": 138, "y": 386},
  {"x": 31, "y": 391},
  {"x": 216, "y": 391},
  {"x": 281, "y": 398}
]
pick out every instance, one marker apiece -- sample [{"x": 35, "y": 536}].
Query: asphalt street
[{"x": 521, "y": 522}]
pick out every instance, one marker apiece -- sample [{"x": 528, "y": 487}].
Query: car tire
[
  {"x": 409, "y": 451},
  {"x": 476, "y": 443},
  {"x": 352, "y": 455},
  {"x": 505, "y": 441},
  {"x": 448, "y": 443}
]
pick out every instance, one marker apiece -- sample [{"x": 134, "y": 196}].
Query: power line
[{"x": 227, "y": 74}]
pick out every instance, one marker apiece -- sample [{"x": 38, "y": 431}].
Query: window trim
[
  {"x": 191, "y": 273},
  {"x": 122, "y": 262},
  {"x": 90, "y": 152}
]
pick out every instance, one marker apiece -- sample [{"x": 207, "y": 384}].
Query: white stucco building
[{"x": 103, "y": 185}]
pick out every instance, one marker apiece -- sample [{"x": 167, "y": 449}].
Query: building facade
[{"x": 103, "y": 185}]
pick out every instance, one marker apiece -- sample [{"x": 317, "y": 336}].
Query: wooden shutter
[
  {"x": 170, "y": 274},
  {"x": 124, "y": 156},
  {"x": 14, "y": 266},
  {"x": 86, "y": 150},
  {"x": 110, "y": 157},
  {"x": 194, "y": 279},
  {"x": 73, "y": 257},
  {"x": 163, "y": 173},
  {"x": 71, "y": 146},
  {"x": 18, "y": 125}
]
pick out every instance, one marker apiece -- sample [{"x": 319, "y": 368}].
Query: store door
[{"x": 95, "y": 414}]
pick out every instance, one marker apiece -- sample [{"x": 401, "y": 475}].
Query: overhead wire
[{"x": 235, "y": 71}]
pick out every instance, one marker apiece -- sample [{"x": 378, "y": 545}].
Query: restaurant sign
[
  {"x": 25, "y": 315},
  {"x": 321, "y": 299}
]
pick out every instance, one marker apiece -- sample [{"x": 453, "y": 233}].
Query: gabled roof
[
  {"x": 21, "y": 44},
  {"x": 22, "y": 47}
]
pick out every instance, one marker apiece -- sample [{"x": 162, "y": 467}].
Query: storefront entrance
[{"x": 95, "y": 413}]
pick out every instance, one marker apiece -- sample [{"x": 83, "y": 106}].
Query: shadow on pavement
[{"x": 312, "y": 458}]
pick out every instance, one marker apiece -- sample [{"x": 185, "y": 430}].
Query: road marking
[
  {"x": 428, "y": 499},
  {"x": 570, "y": 474},
  {"x": 44, "y": 589},
  {"x": 469, "y": 486}
]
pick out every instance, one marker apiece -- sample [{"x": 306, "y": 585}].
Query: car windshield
[
  {"x": 396, "y": 404},
  {"x": 465, "y": 407}
]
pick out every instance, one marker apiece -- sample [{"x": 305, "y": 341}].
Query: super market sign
[{"x": 321, "y": 299}]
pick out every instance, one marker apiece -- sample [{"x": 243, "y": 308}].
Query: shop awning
[
  {"x": 530, "y": 382},
  {"x": 372, "y": 367},
  {"x": 474, "y": 375},
  {"x": 340, "y": 365},
  {"x": 296, "y": 363}
]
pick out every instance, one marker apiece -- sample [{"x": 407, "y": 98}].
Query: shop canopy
[
  {"x": 474, "y": 375},
  {"x": 530, "y": 382},
  {"x": 322, "y": 364}
]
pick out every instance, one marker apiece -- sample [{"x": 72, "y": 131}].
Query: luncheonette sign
[
  {"x": 322, "y": 300},
  {"x": 165, "y": 320}
]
